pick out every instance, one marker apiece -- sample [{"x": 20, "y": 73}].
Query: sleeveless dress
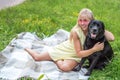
[{"x": 65, "y": 50}]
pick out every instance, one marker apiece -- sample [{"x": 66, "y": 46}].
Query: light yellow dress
[{"x": 65, "y": 50}]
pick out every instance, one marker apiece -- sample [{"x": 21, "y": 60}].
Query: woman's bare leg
[
  {"x": 66, "y": 65},
  {"x": 38, "y": 56}
]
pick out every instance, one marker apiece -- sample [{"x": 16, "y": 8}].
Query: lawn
[{"x": 47, "y": 16}]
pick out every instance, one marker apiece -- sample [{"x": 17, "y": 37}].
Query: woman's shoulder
[
  {"x": 76, "y": 29},
  {"x": 73, "y": 32}
]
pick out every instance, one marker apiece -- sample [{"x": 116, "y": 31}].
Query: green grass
[{"x": 47, "y": 16}]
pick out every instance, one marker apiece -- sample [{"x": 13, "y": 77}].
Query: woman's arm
[
  {"x": 109, "y": 36},
  {"x": 84, "y": 53}
]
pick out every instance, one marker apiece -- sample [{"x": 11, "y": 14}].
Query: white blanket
[{"x": 15, "y": 62}]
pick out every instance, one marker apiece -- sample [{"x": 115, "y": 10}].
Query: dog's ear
[
  {"x": 90, "y": 22},
  {"x": 102, "y": 24}
]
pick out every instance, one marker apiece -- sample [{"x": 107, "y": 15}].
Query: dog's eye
[
  {"x": 91, "y": 26},
  {"x": 98, "y": 25}
]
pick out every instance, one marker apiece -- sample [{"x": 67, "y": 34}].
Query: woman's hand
[{"x": 98, "y": 46}]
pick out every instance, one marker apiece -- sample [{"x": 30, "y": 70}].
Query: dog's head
[{"x": 96, "y": 29}]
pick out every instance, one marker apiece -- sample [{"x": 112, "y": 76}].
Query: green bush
[{"x": 47, "y": 16}]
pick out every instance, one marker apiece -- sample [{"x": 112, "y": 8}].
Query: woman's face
[{"x": 83, "y": 22}]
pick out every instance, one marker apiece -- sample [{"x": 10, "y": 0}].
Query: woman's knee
[{"x": 65, "y": 67}]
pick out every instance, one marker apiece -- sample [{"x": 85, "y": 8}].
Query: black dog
[{"x": 97, "y": 60}]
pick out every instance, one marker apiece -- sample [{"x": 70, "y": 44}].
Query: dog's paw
[
  {"x": 86, "y": 66},
  {"x": 77, "y": 68},
  {"x": 88, "y": 73}
]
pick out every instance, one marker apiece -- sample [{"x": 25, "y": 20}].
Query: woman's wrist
[{"x": 93, "y": 50}]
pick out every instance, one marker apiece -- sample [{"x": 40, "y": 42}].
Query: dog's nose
[{"x": 94, "y": 30}]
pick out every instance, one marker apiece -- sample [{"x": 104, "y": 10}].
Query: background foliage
[{"x": 47, "y": 16}]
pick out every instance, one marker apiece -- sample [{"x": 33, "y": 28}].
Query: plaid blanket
[{"x": 15, "y": 62}]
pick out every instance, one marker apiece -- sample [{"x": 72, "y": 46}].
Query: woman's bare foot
[
  {"x": 38, "y": 56},
  {"x": 33, "y": 53}
]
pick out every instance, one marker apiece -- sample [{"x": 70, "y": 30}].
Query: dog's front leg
[
  {"x": 78, "y": 67},
  {"x": 92, "y": 65}
]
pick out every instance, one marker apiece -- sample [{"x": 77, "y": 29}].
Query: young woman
[{"x": 69, "y": 53}]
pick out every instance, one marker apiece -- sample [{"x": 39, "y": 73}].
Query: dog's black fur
[{"x": 98, "y": 59}]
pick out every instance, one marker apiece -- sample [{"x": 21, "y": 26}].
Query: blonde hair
[{"x": 87, "y": 12}]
